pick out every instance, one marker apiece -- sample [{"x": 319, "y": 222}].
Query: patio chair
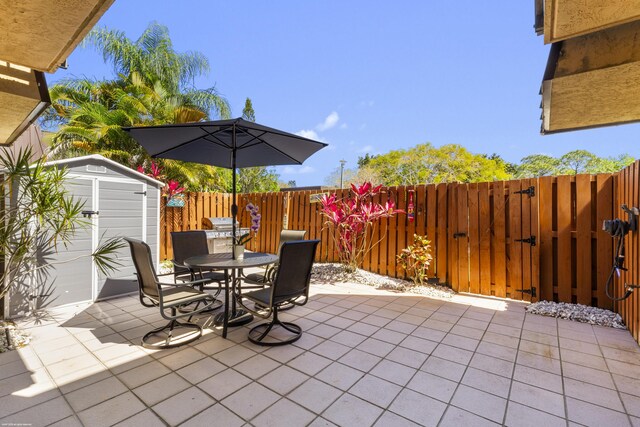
[
  {"x": 191, "y": 243},
  {"x": 262, "y": 279},
  {"x": 170, "y": 298},
  {"x": 290, "y": 285}
]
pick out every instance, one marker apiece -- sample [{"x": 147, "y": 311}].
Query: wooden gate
[{"x": 493, "y": 239}]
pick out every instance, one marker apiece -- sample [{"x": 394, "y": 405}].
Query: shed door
[{"x": 122, "y": 207}]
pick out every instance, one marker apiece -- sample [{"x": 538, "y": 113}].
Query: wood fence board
[
  {"x": 431, "y": 218},
  {"x": 535, "y": 230},
  {"x": 392, "y": 235},
  {"x": 564, "y": 222},
  {"x": 484, "y": 236},
  {"x": 401, "y": 224},
  {"x": 526, "y": 232},
  {"x": 474, "y": 239},
  {"x": 515, "y": 253},
  {"x": 499, "y": 240},
  {"x": 546, "y": 208},
  {"x": 583, "y": 239},
  {"x": 604, "y": 244},
  {"x": 374, "y": 255},
  {"x": 442, "y": 233},
  {"x": 384, "y": 232}
]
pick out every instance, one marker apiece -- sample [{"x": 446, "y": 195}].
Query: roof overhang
[
  {"x": 23, "y": 97},
  {"x": 41, "y": 34},
  {"x": 592, "y": 76}
]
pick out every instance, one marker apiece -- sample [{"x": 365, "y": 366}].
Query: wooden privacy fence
[{"x": 525, "y": 239}]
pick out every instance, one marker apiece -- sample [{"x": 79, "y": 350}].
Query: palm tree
[{"x": 154, "y": 84}]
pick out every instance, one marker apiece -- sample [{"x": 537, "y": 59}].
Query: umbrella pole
[{"x": 234, "y": 207}]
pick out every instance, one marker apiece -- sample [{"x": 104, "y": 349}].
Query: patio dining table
[{"x": 225, "y": 261}]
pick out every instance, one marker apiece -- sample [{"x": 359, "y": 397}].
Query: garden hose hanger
[{"x": 618, "y": 229}]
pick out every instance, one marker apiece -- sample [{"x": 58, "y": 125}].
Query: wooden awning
[
  {"x": 592, "y": 76},
  {"x": 36, "y": 36}
]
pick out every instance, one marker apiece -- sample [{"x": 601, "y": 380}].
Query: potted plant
[{"x": 240, "y": 241}]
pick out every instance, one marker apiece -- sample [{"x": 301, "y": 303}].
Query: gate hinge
[
  {"x": 531, "y": 191},
  {"x": 531, "y": 291},
  {"x": 531, "y": 240}
]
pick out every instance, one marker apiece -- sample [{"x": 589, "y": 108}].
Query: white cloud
[
  {"x": 308, "y": 133},
  {"x": 293, "y": 170},
  {"x": 366, "y": 149},
  {"x": 343, "y": 126},
  {"x": 330, "y": 121}
]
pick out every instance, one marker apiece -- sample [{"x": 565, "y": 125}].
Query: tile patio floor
[{"x": 367, "y": 357}]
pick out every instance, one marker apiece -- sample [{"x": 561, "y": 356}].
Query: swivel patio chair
[
  {"x": 170, "y": 298},
  {"x": 261, "y": 279},
  {"x": 191, "y": 243},
  {"x": 290, "y": 285}
]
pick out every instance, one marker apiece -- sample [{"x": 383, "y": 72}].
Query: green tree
[
  {"x": 153, "y": 85},
  {"x": 258, "y": 179},
  {"x": 577, "y": 161},
  {"x": 537, "y": 165}
]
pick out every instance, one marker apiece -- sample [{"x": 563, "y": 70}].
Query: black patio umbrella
[{"x": 231, "y": 144}]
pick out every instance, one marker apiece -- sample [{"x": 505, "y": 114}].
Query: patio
[{"x": 367, "y": 357}]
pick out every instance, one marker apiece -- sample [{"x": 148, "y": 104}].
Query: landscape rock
[{"x": 578, "y": 313}]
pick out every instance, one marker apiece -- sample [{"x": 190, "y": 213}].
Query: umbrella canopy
[{"x": 231, "y": 144}]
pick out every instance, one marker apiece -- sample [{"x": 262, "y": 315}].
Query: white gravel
[
  {"x": 334, "y": 273},
  {"x": 17, "y": 337},
  {"x": 578, "y": 313}
]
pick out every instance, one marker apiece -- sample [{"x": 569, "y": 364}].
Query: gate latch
[
  {"x": 456, "y": 235},
  {"x": 89, "y": 214},
  {"x": 531, "y": 240},
  {"x": 531, "y": 292},
  {"x": 531, "y": 191}
]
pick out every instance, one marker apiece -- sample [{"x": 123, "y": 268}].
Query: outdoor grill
[{"x": 219, "y": 233}]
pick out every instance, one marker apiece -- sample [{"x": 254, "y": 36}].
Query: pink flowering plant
[
  {"x": 172, "y": 187},
  {"x": 255, "y": 225},
  {"x": 354, "y": 220}
]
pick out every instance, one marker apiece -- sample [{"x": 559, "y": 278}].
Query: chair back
[
  {"x": 294, "y": 272},
  {"x": 290, "y": 236},
  {"x": 142, "y": 261},
  {"x": 188, "y": 243}
]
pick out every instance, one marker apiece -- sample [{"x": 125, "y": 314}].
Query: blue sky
[{"x": 370, "y": 76}]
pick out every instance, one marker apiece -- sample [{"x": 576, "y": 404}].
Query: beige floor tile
[
  {"x": 491, "y": 364},
  {"x": 43, "y": 414},
  {"x": 485, "y": 381},
  {"x": 539, "y": 362},
  {"x": 460, "y": 342},
  {"x": 95, "y": 393},
  {"x": 146, "y": 418},
  {"x": 433, "y": 386},
  {"x": 183, "y": 405},
  {"x": 201, "y": 370},
  {"x": 621, "y": 355},
  {"x": 234, "y": 355},
  {"x": 324, "y": 331},
  {"x": 308, "y": 341},
  {"x": 503, "y": 340},
  {"x": 586, "y": 374},
  {"x": 283, "y": 379},
  {"x": 593, "y": 394},
  {"x": 112, "y": 411},
  {"x": 339, "y": 322},
  {"x": 430, "y": 334},
  {"x": 256, "y": 366},
  {"x": 389, "y": 336},
  {"x": 283, "y": 412},
  {"x": 595, "y": 362},
  {"x": 251, "y": 400},
  {"x": 540, "y": 349},
  {"x": 455, "y": 417},
  {"x": 504, "y": 330},
  {"x": 212, "y": 346},
  {"x": 540, "y": 338},
  {"x": 181, "y": 358},
  {"x": 224, "y": 383},
  {"x": 161, "y": 388},
  {"x": 538, "y": 378},
  {"x": 480, "y": 403},
  {"x": 397, "y": 373},
  {"x": 418, "y": 344},
  {"x": 214, "y": 415},
  {"x": 71, "y": 421},
  {"x": 350, "y": 410},
  {"x": 143, "y": 374},
  {"x": 331, "y": 350},
  {"x": 283, "y": 353},
  {"x": 348, "y": 338},
  {"x": 444, "y": 368},
  {"x": 537, "y": 398},
  {"x": 360, "y": 360},
  {"x": 375, "y": 390},
  {"x": 524, "y": 416},
  {"x": 389, "y": 419},
  {"x": 340, "y": 376},
  {"x": 407, "y": 357},
  {"x": 376, "y": 347},
  {"x": 453, "y": 354},
  {"x": 631, "y": 404},
  {"x": 315, "y": 395},
  {"x": 627, "y": 384},
  {"x": 593, "y": 415},
  {"x": 418, "y": 408},
  {"x": 309, "y": 363}
]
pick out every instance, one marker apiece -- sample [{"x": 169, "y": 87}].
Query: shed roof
[{"x": 101, "y": 159}]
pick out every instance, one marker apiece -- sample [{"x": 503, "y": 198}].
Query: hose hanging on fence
[{"x": 618, "y": 262}]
